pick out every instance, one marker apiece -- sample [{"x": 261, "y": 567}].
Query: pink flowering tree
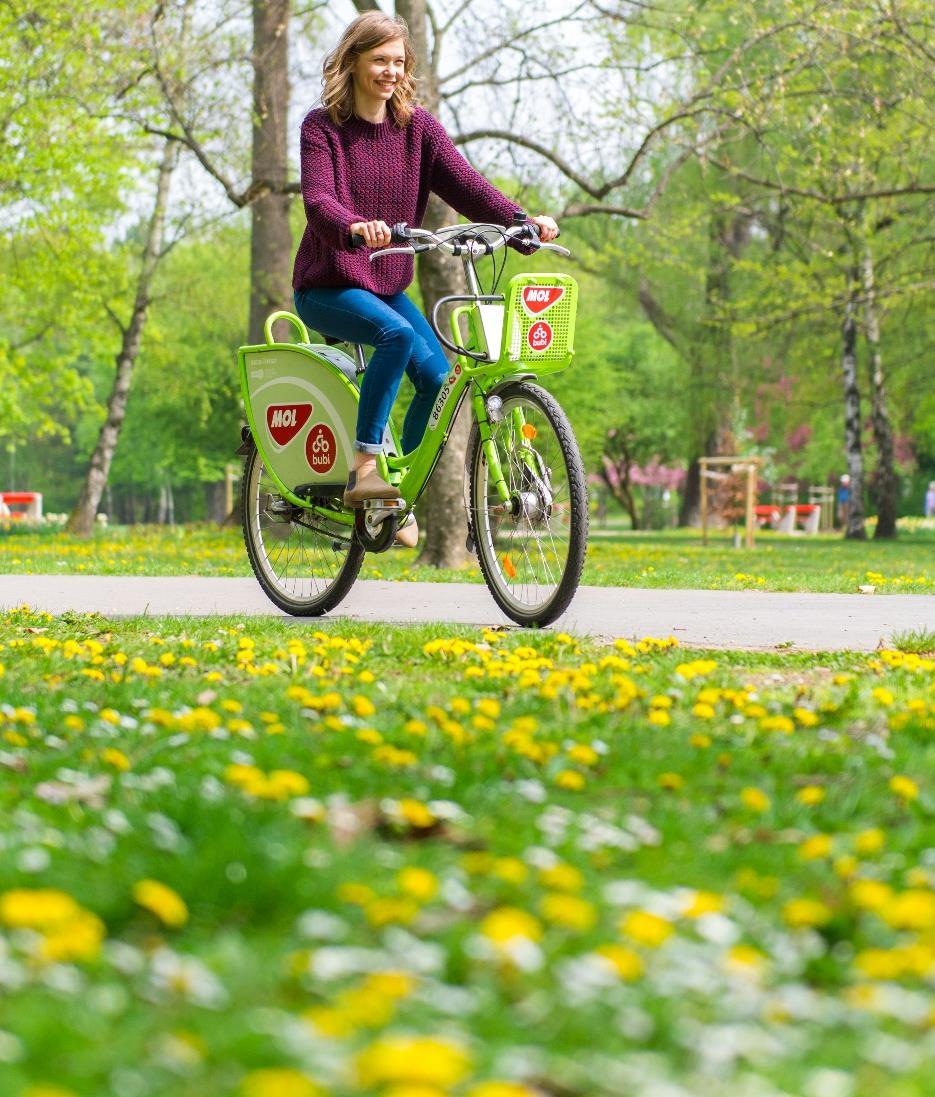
[{"x": 625, "y": 466}]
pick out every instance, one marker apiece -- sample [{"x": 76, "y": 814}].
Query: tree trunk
[
  {"x": 887, "y": 484},
  {"x": 270, "y": 238},
  {"x": 854, "y": 530},
  {"x": 443, "y": 512},
  {"x": 216, "y": 501},
  {"x": 81, "y": 521}
]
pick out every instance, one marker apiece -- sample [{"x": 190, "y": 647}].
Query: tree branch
[{"x": 817, "y": 196}]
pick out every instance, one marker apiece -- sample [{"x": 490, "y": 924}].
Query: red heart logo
[
  {"x": 284, "y": 421},
  {"x": 537, "y": 299}
]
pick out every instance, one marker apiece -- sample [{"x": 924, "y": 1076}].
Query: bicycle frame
[{"x": 494, "y": 352}]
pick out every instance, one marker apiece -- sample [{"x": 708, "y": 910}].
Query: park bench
[
  {"x": 783, "y": 518},
  {"x": 28, "y": 504}
]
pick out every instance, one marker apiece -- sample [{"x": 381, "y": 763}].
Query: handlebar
[{"x": 476, "y": 239}]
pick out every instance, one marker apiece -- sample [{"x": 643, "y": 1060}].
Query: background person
[
  {"x": 844, "y": 499},
  {"x": 370, "y": 156}
]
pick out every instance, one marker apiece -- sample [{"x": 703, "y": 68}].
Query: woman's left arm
[{"x": 466, "y": 190}]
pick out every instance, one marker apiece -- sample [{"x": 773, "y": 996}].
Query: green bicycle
[{"x": 526, "y": 494}]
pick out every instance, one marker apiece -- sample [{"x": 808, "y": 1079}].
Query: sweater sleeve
[
  {"x": 461, "y": 186},
  {"x": 327, "y": 216}
]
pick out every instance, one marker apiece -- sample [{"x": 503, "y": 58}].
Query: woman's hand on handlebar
[
  {"x": 375, "y": 234},
  {"x": 548, "y": 229}
]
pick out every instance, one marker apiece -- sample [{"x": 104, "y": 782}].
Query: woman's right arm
[{"x": 328, "y": 217}]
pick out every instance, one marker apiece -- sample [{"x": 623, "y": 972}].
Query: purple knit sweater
[{"x": 361, "y": 171}]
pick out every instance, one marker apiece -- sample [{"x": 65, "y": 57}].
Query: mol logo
[
  {"x": 321, "y": 449},
  {"x": 286, "y": 420},
  {"x": 537, "y": 299},
  {"x": 442, "y": 397},
  {"x": 540, "y": 336}
]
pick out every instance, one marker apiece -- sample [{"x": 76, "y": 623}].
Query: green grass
[
  {"x": 489, "y": 815},
  {"x": 920, "y": 641},
  {"x": 670, "y": 559}
]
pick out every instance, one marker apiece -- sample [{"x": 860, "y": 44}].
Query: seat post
[{"x": 359, "y": 356}]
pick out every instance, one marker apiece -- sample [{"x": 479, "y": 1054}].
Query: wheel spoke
[
  {"x": 526, "y": 554},
  {"x": 294, "y": 551}
]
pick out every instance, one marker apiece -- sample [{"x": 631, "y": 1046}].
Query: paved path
[{"x": 709, "y": 618}]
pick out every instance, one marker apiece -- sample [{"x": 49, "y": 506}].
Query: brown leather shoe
[
  {"x": 370, "y": 486},
  {"x": 408, "y": 535}
]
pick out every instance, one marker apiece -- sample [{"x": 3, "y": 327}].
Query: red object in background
[{"x": 32, "y": 500}]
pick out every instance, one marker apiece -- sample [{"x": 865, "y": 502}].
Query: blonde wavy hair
[{"x": 368, "y": 31}]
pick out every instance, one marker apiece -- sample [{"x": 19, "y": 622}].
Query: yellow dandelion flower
[
  {"x": 569, "y": 911},
  {"x": 583, "y": 754},
  {"x": 745, "y": 958},
  {"x": 704, "y": 902},
  {"x": 501, "y": 1089},
  {"x": 168, "y": 906},
  {"x": 651, "y": 930},
  {"x": 810, "y": 795},
  {"x": 804, "y": 912},
  {"x": 510, "y": 870},
  {"x": 363, "y": 706},
  {"x": 561, "y": 877},
  {"x": 506, "y": 924},
  {"x": 845, "y": 867},
  {"x": 870, "y": 841},
  {"x": 671, "y": 781},
  {"x": 627, "y": 964},
  {"x": 782, "y": 724},
  {"x": 904, "y": 787},
  {"x": 912, "y": 909},
  {"x": 279, "y": 1082},
  {"x": 111, "y": 756},
  {"x": 755, "y": 799},
  {"x": 416, "y": 814},
  {"x": 414, "y": 1059},
  {"x": 418, "y": 882},
  {"x": 815, "y": 847},
  {"x": 870, "y": 894},
  {"x": 40, "y": 908}
]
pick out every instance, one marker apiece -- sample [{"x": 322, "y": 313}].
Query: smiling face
[{"x": 378, "y": 71}]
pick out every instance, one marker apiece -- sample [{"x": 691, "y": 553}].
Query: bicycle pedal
[{"x": 385, "y": 504}]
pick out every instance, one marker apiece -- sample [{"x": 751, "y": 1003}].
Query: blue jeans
[{"x": 402, "y": 340}]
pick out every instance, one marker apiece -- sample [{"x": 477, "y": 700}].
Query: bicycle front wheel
[
  {"x": 304, "y": 561},
  {"x": 530, "y": 549}
]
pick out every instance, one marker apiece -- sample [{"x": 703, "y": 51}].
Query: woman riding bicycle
[{"x": 369, "y": 157}]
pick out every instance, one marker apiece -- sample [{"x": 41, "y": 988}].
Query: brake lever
[
  {"x": 556, "y": 247},
  {"x": 408, "y": 249}
]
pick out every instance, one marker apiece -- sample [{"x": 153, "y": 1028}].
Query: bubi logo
[
  {"x": 321, "y": 449},
  {"x": 540, "y": 336},
  {"x": 286, "y": 420},
  {"x": 537, "y": 299}
]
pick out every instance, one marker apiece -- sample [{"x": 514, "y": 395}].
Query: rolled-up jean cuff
[{"x": 367, "y": 447}]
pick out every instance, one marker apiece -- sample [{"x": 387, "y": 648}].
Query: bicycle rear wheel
[
  {"x": 531, "y": 550},
  {"x": 304, "y": 562}
]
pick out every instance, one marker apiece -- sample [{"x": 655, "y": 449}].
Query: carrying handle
[{"x": 293, "y": 320}]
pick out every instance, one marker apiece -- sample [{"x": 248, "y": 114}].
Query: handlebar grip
[{"x": 399, "y": 234}]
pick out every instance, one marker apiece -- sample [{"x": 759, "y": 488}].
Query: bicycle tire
[
  {"x": 315, "y": 596},
  {"x": 529, "y": 609}
]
